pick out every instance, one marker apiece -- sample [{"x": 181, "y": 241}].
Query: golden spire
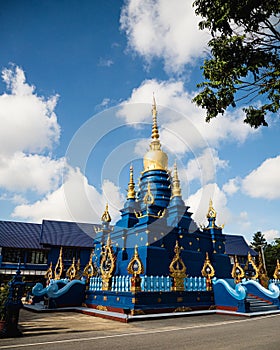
[
  {"x": 211, "y": 211},
  {"x": 155, "y": 158},
  {"x": 155, "y": 134},
  {"x": 106, "y": 216},
  {"x": 176, "y": 189},
  {"x": 131, "y": 184}
]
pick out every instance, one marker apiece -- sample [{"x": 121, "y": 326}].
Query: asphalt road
[{"x": 67, "y": 331}]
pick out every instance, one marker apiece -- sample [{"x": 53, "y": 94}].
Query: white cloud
[
  {"x": 164, "y": 29},
  {"x": 204, "y": 166},
  {"x": 28, "y": 122},
  {"x": 103, "y": 62},
  {"x": 199, "y": 204},
  {"x": 270, "y": 235},
  {"x": 264, "y": 182},
  {"x": 232, "y": 186},
  {"x": 182, "y": 128},
  {"x": 21, "y": 172},
  {"x": 74, "y": 200}
]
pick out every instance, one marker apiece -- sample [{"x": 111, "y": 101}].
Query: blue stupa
[{"x": 155, "y": 217}]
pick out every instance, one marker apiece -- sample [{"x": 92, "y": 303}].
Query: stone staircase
[{"x": 257, "y": 304}]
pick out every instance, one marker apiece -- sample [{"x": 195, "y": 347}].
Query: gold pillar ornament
[
  {"x": 208, "y": 271},
  {"x": 107, "y": 265},
  {"x": 249, "y": 273},
  {"x": 135, "y": 268},
  {"x": 71, "y": 272},
  {"x": 59, "y": 266},
  {"x": 276, "y": 274},
  {"x": 264, "y": 279},
  {"x": 177, "y": 270},
  {"x": 237, "y": 272},
  {"x": 49, "y": 274},
  {"x": 90, "y": 270}
]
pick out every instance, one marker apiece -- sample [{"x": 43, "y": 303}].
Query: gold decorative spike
[
  {"x": 177, "y": 270},
  {"x": 276, "y": 274},
  {"x": 107, "y": 265},
  {"x": 49, "y": 274},
  {"x": 155, "y": 134},
  {"x": 251, "y": 262},
  {"x": 71, "y": 272},
  {"x": 208, "y": 271},
  {"x": 237, "y": 272},
  {"x": 211, "y": 211},
  {"x": 148, "y": 198},
  {"x": 176, "y": 188},
  {"x": 106, "y": 216},
  {"x": 59, "y": 266},
  {"x": 131, "y": 185}
]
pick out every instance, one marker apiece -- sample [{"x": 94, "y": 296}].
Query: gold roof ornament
[
  {"x": 176, "y": 188},
  {"x": 155, "y": 158},
  {"x": 131, "y": 185},
  {"x": 106, "y": 216}
]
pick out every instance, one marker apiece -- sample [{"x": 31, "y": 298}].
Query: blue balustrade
[{"x": 149, "y": 284}]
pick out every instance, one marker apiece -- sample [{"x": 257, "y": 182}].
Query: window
[
  {"x": 12, "y": 255},
  {"x": 36, "y": 257}
]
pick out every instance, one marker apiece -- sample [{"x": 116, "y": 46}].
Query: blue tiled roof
[
  {"x": 236, "y": 245},
  {"x": 19, "y": 235},
  {"x": 68, "y": 234}
]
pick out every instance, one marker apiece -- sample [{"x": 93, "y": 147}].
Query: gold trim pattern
[
  {"x": 276, "y": 274},
  {"x": 49, "y": 274}
]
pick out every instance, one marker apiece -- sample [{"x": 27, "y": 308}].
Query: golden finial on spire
[
  {"x": 155, "y": 134},
  {"x": 176, "y": 188},
  {"x": 131, "y": 185},
  {"x": 106, "y": 216},
  {"x": 211, "y": 211}
]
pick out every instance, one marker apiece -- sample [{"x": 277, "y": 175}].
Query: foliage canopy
[{"x": 244, "y": 64}]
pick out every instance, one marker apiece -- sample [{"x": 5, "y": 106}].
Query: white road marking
[{"x": 154, "y": 331}]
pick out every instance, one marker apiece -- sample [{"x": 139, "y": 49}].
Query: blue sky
[{"x": 75, "y": 110}]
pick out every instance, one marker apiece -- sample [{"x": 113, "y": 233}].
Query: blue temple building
[{"x": 155, "y": 217}]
